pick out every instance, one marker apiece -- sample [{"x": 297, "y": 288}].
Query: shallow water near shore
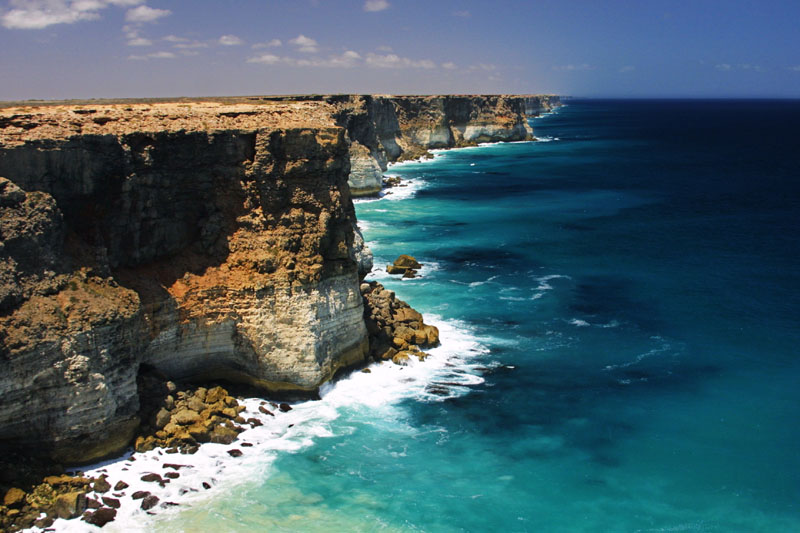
[{"x": 619, "y": 313}]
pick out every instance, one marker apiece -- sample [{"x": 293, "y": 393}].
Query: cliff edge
[
  {"x": 385, "y": 129},
  {"x": 208, "y": 239}
]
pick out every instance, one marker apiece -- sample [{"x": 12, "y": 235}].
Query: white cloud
[
  {"x": 375, "y": 5},
  {"x": 145, "y": 14},
  {"x": 449, "y": 65},
  {"x": 139, "y": 41},
  {"x": 395, "y": 61},
  {"x": 348, "y": 59},
  {"x": 175, "y": 39},
  {"x": 488, "y": 67},
  {"x": 191, "y": 45},
  {"x": 266, "y": 59},
  {"x": 274, "y": 43},
  {"x": 154, "y": 55},
  {"x": 726, "y": 67},
  {"x": 230, "y": 40},
  {"x": 570, "y": 68},
  {"x": 34, "y": 15},
  {"x": 305, "y": 44},
  {"x": 795, "y": 68},
  {"x": 627, "y": 68},
  {"x": 38, "y": 14},
  {"x": 755, "y": 68}
]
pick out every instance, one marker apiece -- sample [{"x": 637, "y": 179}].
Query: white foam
[
  {"x": 578, "y": 322},
  {"x": 479, "y": 283},
  {"x": 379, "y": 273},
  {"x": 543, "y": 281},
  {"x": 449, "y": 372},
  {"x": 663, "y": 348}
]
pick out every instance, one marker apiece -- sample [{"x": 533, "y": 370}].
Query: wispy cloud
[
  {"x": 348, "y": 59},
  {"x": 572, "y": 68},
  {"x": 38, "y": 14},
  {"x": 175, "y": 39},
  {"x": 627, "y": 68},
  {"x": 726, "y": 67},
  {"x": 305, "y": 44},
  {"x": 145, "y": 14},
  {"x": 139, "y": 41},
  {"x": 462, "y": 14},
  {"x": 487, "y": 67},
  {"x": 274, "y": 43},
  {"x": 191, "y": 45},
  {"x": 230, "y": 40},
  {"x": 449, "y": 66},
  {"x": 375, "y": 5},
  {"x": 395, "y": 61},
  {"x": 154, "y": 55},
  {"x": 795, "y": 68}
]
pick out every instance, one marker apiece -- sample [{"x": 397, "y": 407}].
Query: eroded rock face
[
  {"x": 211, "y": 239},
  {"x": 383, "y": 129},
  {"x": 143, "y": 236}
]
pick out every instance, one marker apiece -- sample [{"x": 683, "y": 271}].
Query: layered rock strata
[
  {"x": 202, "y": 240},
  {"x": 209, "y": 239},
  {"x": 384, "y": 129}
]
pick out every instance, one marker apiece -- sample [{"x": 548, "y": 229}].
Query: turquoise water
[{"x": 619, "y": 311}]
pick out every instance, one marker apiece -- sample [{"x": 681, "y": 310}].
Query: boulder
[
  {"x": 139, "y": 494},
  {"x": 121, "y": 485},
  {"x": 216, "y": 394},
  {"x": 101, "y": 485},
  {"x": 407, "y": 314},
  {"x": 14, "y": 497},
  {"x": 149, "y": 502},
  {"x": 70, "y": 505},
  {"x": 196, "y": 404},
  {"x": 111, "y": 502},
  {"x": 394, "y": 269},
  {"x": 407, "y": 261},
  {"x": 162, "y": 418},
  {"x": 223, "y": 435},
  {"x": 152, "y": 478},
  {"x": 101, "y": 517},
  {"x": 185, "y": 417},
  {"x": 401, "y": 358}
]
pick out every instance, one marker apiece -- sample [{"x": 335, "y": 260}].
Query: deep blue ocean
[{"x": 620, "y": 314}]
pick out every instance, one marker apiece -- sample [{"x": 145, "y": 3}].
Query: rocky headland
[
  {"x": 199, "y": 241},
  {"x": 386, "y": 129}
]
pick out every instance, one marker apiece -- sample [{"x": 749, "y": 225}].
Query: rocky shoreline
[{"x": 151, "y": 248}]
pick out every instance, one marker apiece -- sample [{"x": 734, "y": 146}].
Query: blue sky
[{"x": 130, "y": 48}]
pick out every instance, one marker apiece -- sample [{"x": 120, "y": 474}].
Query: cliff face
[
  {"x": 129, "y": 239},
  {"x": 211, "y": 239},
  {"x": 384, "y": 129}
]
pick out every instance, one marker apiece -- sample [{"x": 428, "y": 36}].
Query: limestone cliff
[
  {"x": 384, "y": 129},
  {"x": 212, "y": 238},
  {"x": 202, "y": 240}
]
